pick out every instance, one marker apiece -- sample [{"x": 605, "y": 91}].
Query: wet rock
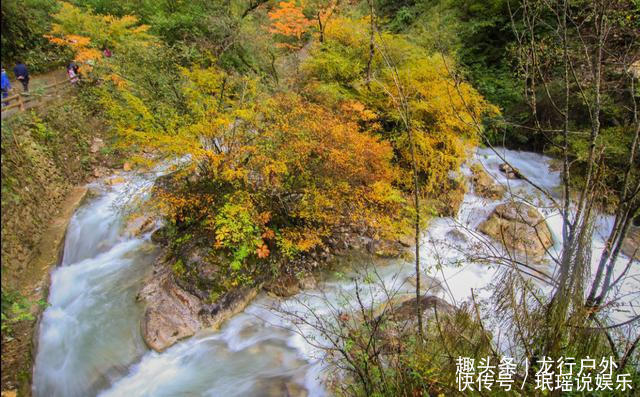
[
  {"x": 228, "y": 305},
  {"x": 509, "y": 171},
  {"x": 406, "y": 311},
  {"x": 485, "y": 186},
  {"x": 401, "y": 321},
  {"x": 519, "y": 227},
  {"x": 279, "y": 387},
  {"x": 295, "y": 390},
  {"x": 115, "y": 180},
  {"x": 140, "y": 225},
  {"x": 308, "y": 282},
  {"x": 457, "y": 235},
  {"x": 284, "y": 286},
  {"x": 171, "y": 313}
]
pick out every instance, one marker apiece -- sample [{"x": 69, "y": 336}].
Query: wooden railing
[{"x": 37, "y": 97}]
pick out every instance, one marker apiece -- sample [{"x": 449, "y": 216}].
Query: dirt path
[
  {"x": 38, "y": 80},
  {"x": 36, "y": 84}
]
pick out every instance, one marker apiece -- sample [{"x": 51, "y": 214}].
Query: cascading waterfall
[
  {"x": 89, "y": 333},
  {"x": 90, "y": 342}
]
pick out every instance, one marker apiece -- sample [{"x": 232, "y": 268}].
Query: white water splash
[{"x": 90, "y": 341}]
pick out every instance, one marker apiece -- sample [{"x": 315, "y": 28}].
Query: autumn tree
[
  {"x": 288, "y": 24},
  {"x": 443, "y": 123},
  {"x": 86, "y": 33},
  {"x": 271, "y": 177}
]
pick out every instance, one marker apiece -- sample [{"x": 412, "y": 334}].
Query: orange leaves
[
  {"x": 263, "y": 251},
  {"x": 268, "y": 234},
  {"x": 87, "y": 54},
  {"x": 79, "y": 44},
  {"x": 288, "y": 21},
  {"x": 357, "y": 111},
  {"x": 264, "y": 217},
  {"x": 335, "y": 171},
  {"x": 117, "y": 80}
]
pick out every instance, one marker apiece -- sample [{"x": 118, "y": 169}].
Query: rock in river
[
  {"x": 519, "y": 227},
  {"x": 172, "y": 313},
  {"x": 510, "y": 172},
  {"x": 484, "y": 184}
]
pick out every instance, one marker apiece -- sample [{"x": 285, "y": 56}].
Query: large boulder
[
  {"x": 485, "y": 186},
  {"x": 172, "y": 313},
  {"x": 401, "y": 320},
  {"x": 519, "y": 227},
  {"x": 428, "y": 304}
]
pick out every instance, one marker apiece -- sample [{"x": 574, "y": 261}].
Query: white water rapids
[{"x": 90, "y": 343}]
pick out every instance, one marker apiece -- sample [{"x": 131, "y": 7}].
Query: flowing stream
[{"x": 90, "y": 343}]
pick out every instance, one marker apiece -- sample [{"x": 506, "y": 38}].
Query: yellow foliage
[
  {"x": 444, "y": 114},
  {"x": 86, "y": 33}
]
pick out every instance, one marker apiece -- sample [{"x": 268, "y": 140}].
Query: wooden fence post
[{"x": 21, "y": 102}]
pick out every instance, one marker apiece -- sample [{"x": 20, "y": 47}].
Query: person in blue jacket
[
  {"x": 6, "y": 85},
  {"x": 22, "y": 74}
]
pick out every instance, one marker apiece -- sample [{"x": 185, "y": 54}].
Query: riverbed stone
[
  {"x": 509, "y": 171},
  {"x": 485, "y": 186},
  {"x": 456, "y": 235},
  {"x": 172, "y": 313},
  {"x": 427, "y": 283},
  {"x": 520, "y": 227},
  {"x": 140, "y": 225},
  {"x": 406, "y": 311},
  {"x": 401, "y": 321},
  {"x": 284, "y": 286}
]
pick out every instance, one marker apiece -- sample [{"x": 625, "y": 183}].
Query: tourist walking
[
  {"x": 22, "y": 74},
  {"x": 6, "y": 85},
  {"x": 73, "y": 75}
]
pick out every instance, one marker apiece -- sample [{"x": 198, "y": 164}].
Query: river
[{"x": 89, "y": 338}]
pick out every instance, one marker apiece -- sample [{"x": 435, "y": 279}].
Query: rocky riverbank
[{"x": 46, "y": 161}]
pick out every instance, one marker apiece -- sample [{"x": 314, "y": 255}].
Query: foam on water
[
  {"x": 89, "y": 333},
  {"x": 90, "y": 341}
]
